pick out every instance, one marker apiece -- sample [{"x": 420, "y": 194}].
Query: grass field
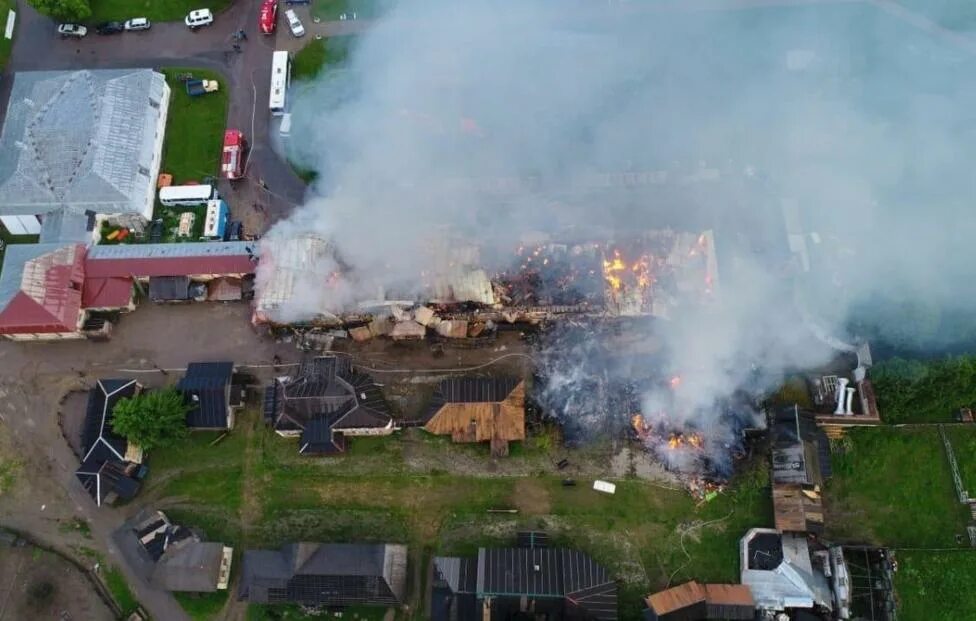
[
  {"x": 5, "y": 44},
  {"x": 155, "y": 10},
  {"x": 936, "y": 586},
  {"x": 202, "y": 606},
  {"x": 319, "y": 54},
  {"x": 254, "y": 490},
  {"x": 364, "y": 9},
  {"x": 120, "y": 591},
  {"x": 893, "y": 487},
  {"x": 916, "y": 391},
  {"x": 7, "y": 238},
  {"x": 194, "y": 129},
  {"x": 963, "y": 439}
]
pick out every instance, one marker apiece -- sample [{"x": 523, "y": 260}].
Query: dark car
[{"x": 107, "y": 28}]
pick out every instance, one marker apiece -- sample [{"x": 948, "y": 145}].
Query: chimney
[
  {"x": 850, "y": 402},
  {"x": 841, "y": 389}
]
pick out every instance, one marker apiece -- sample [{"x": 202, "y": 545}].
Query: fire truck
[{"x": 234, "y": 156}]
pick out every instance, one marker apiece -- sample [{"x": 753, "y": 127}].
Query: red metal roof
[
  {"x": 106, "y": 293},
  {"x": 224, "y": 265},
  {"x": 49, "y": 296}
]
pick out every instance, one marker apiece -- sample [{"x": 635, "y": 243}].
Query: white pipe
[
  {"x": 850, "y": 401},
  {"x": 841, "y": 389}
]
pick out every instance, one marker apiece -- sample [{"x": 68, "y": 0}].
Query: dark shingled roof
[
  {"x": 564, "y": 583},
  {"x": 103, "y": 468},
  {"x": 169, "y": 288},
  {"x": 324, "y": 398},
  {"x": 204, "y": 388},
  {"x": 325, "y": 574},
  {"x": 470, "y": 390}
]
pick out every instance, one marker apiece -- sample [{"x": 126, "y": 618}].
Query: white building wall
[
  {"x": 21, "y": 225},
  {"x": 157, "y": 153}
]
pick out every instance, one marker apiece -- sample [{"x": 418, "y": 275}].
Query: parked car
[
  {"x": 72, "y": 30},
  {"x": 294, "y": 23},
  {"x": 138, "y": 23},
  {"x": 268, "y": 17},
  {"x": 199, "y": 18},
  {"x": 107, "y": 28}
]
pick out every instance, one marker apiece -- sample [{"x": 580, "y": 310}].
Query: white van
[
  {"x": 285, "y": 128},
  {"x": 198, "y": 18},
  {"x": 186, "y": 195}
]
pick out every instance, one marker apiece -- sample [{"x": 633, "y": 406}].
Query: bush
[
  {"x": 64, "y": 10},
  {"x": 932, "y": 391}
]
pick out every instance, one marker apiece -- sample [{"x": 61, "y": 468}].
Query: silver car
[
  {"x": 138, "y": 23},
  {"x": 72, "y": 30}
]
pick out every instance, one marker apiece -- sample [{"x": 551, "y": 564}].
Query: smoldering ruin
[{"x": 728, "y": 189}]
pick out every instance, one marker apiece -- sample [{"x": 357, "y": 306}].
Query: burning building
[{"x": 301, "y": 280}]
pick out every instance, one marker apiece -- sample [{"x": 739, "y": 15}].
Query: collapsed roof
[
  {"x": 301, "y": 279},
  {"x": 781, "y": 571}
]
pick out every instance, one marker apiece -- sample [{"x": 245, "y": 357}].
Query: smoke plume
[{"x": 828, "y": 148}]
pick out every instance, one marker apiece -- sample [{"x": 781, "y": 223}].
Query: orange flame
[{"x": 675, "y": 381}]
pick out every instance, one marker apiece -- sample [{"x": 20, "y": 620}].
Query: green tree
[
  {"x": 64, "y": 10},
  {"x": 152, "y": 419}
]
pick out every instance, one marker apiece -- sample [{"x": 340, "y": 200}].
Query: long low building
[
  {"x": 303, "y": 278},
  {"x": 48, "y": 291}
]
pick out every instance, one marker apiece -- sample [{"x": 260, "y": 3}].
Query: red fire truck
[{"x": 235, "y": 154}]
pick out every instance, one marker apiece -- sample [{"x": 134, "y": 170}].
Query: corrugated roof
[
  {"x": 106, "y": 293},
  {"x": 40, "y": 288},
  {"x": 65, "y": 226},
  {"x": 684, "y": 595},
  {"x": 187, "y": 259},
  {"x": 204, "y": 387},
  {"x": 82, "y": 140},
  {"x": 477, "y": 389},
  {"x": 326, "y": 574}
]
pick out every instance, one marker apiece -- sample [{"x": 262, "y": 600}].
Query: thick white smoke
[{"x": 850, "y": 120}]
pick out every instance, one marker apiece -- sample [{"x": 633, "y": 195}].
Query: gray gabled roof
[
  {"x": 80, "y": 140},
  {"x": 189, "y": 566}
]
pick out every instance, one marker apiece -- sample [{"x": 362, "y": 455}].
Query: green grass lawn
[
  {"x": 6, "y": 44},
  {"x": 120, "y": 591},
  {"x": 254, "y": 490},
  {"x": 319, "y": 54},
  {"x": 914, "y": 391},
  {"x": 936, "y": 586},
  {"x": 194, "y": 129},
  {"x": 893, "y": 487},
  {"x": 963, "y": 439},
  {"x": 364, "y": 9},
  {"x": 7, "y": 238},
  {"x": 202, "y": 606},
  {"x": 155, "y": 10}
]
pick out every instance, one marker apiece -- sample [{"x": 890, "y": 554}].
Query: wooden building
[{"x": 479, "y": 410}]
